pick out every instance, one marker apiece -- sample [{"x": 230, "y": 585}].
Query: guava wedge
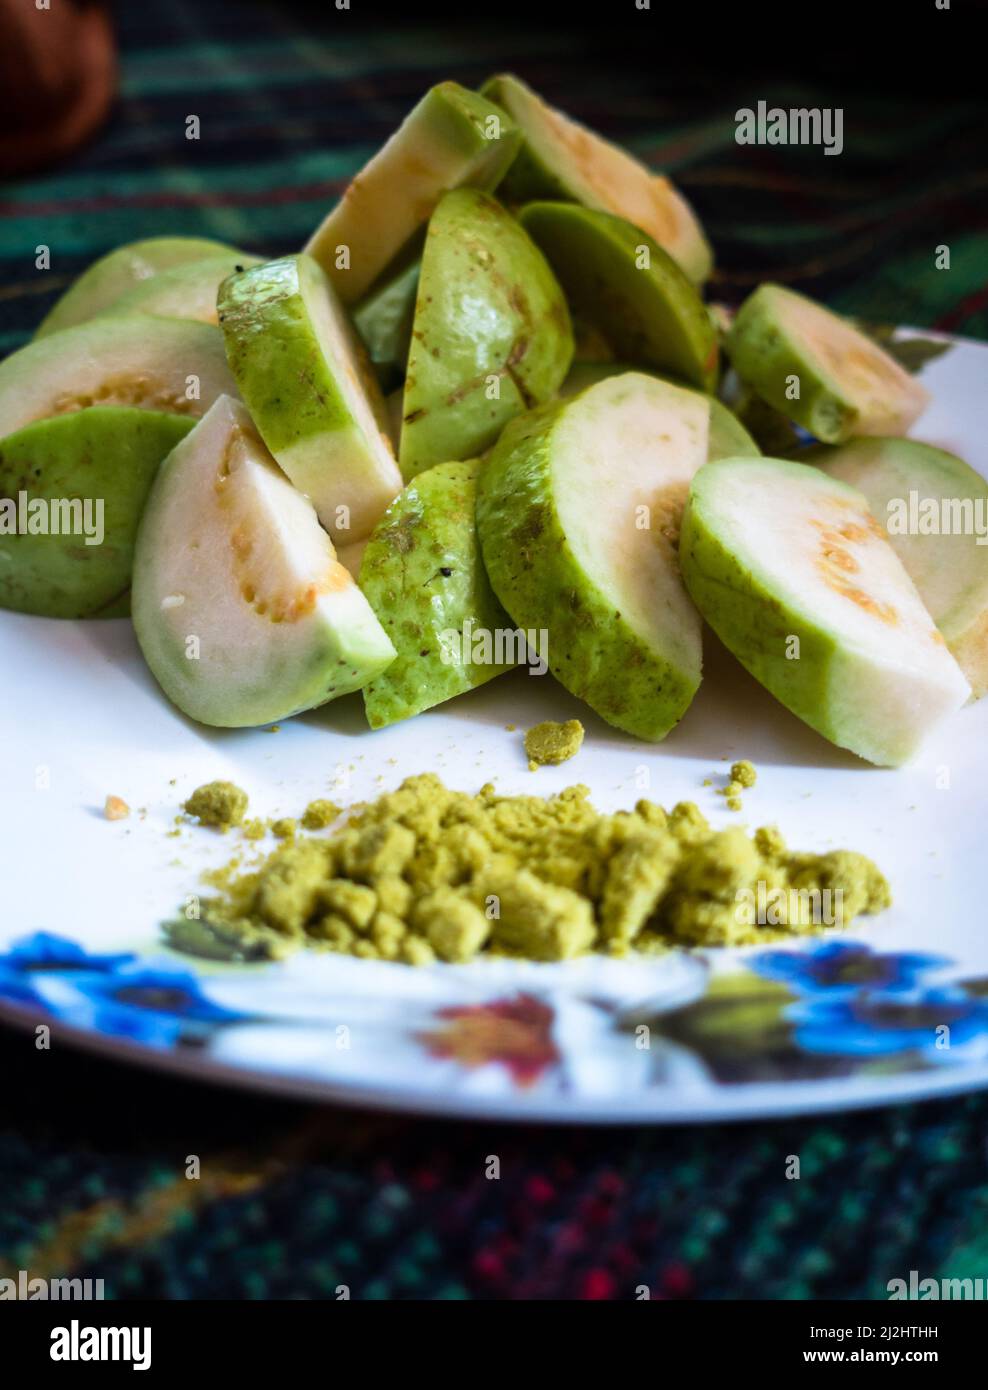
[
  {"x": 934, "y": 507},
  {"x": 578, "y": 512},
  {"x": 562, "y": 160},
  {"x": 781, "y": 342},
  {"x": 617, "y": 278},
  {"x": 383, "y": 319},
  {"x": 307, "y": 383},
  {"x": 173, "y": 365},
  {"x": 184, "y": 291},
  {"x": 243, "y": 612},
  {"x": 491, "y": 336},
  {"x": 122, "y": 270},
  {"x": 727, "y": 437},
  {"x": 90, "y": 472},
  {"x": 453, "y": 138},
  {"x": 799, "y": 581},
  {"x": 424, "y": 578}
]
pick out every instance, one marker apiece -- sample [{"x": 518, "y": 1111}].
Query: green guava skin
[
  {"x": 593, "y": 651},
  {"x": 488, "y": 307},
  {"x": 108, "y": 453},
  {"x": 383, "y": 319},
  {"x": 824, "y": 686},
  {"x": 423, "y": 575},
  {"x": 561, "y": 176},
  {"x": 767, "y": 346},
  {"x": 728, "y": 437},
  {"x": 295, "y": 386},
  {"x": 445, "y": 142},
  {"x": 174, "y": 365},
  {"x": 121, "y": 271},
  {"x": 184, "y": 291},
  {"x": 651, "y": 316},
  {"x": 193, "y": 543},
  {"x": 950, "y": 571}
]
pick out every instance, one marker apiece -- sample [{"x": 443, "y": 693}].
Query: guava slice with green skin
[
  {"x": 106, "y": 455},
  {"x": 490, "y": 318},
  {"x": 727, "y": 437},
  {"x": 563, "y": 160},
  {"x": 578, "y": 515},
  {"x": 847, "y": 384},
  {"x": 307, "y": 383},
  {"x": 122, "y": 270},
  {"x": 242, "y": 610},
  {"x": 424, "y": 577},
  {"x": 771, "y": 551},
  {"x": 174, "y": 365},
  {"x": 949, "y": 567},
  {"x": 619, "y": 279},
  {"x": 185, "y": 291},
  {"x": 384, "y": 321},
  {"x": 453, "y": 138}
]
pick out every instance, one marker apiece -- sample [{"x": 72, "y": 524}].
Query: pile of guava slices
[{"x": 487, "y": 398}]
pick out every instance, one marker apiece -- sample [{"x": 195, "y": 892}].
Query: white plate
[{"x": 833, "y": 1023}]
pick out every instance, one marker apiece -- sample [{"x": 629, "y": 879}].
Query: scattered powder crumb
[
  {"x": 743, "y": 775},
  {"x": 425, "y": 873},
  {"x": 318, "y": 814},
  {"x": 274, "y": 729},
  {"x": 219, "y": 804},
  {"x": 510, "y": 728},
  {"x": 553, "y": 743},
  {"x": 284, "y": 828},
  {"x": 115, "y": 808},
  {"x": 255, "y": 829}
]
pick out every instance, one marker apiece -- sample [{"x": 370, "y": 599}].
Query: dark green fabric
[{"x": 292, "y": 1200}]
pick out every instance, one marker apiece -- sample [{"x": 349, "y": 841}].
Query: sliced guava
[
  {"x": 727, "y": 437},
  {"x": 243, "y": 612},
  {"x": 424, "y": 577},
  {"x": 578, "y": 513},
  {"x": 383, "y": 319},
  {"x": 934, "y": 507},
  {"x": 561, "y": 159},
  {"x": 72, "y": 490},
  {"x": 114, "y": 274},
  {"x": 491, "y": 336},
  {"x": 799, "y": 581},
  {"x": 173, "y": 365},
  {"x": 818, "y": 370},
  {"x": 307, "y": 383},
  {"x": 453, "y": 138},
  {"x": 619, "y": 279},
  {"x": 185, "y": 291}
]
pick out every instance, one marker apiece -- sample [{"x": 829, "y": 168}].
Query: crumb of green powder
[
  {"x": 218, "y": 804},
  {"x": 552, "y": 743},
  {"x": 318, "y": 814}
]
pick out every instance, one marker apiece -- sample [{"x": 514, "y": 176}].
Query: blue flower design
[
  {"x": 42, "y": 953},
  {"x": 882, "y": 1024},
  {"x": 840, "y": 969},
  {"x": 145, "y": 1001}
]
